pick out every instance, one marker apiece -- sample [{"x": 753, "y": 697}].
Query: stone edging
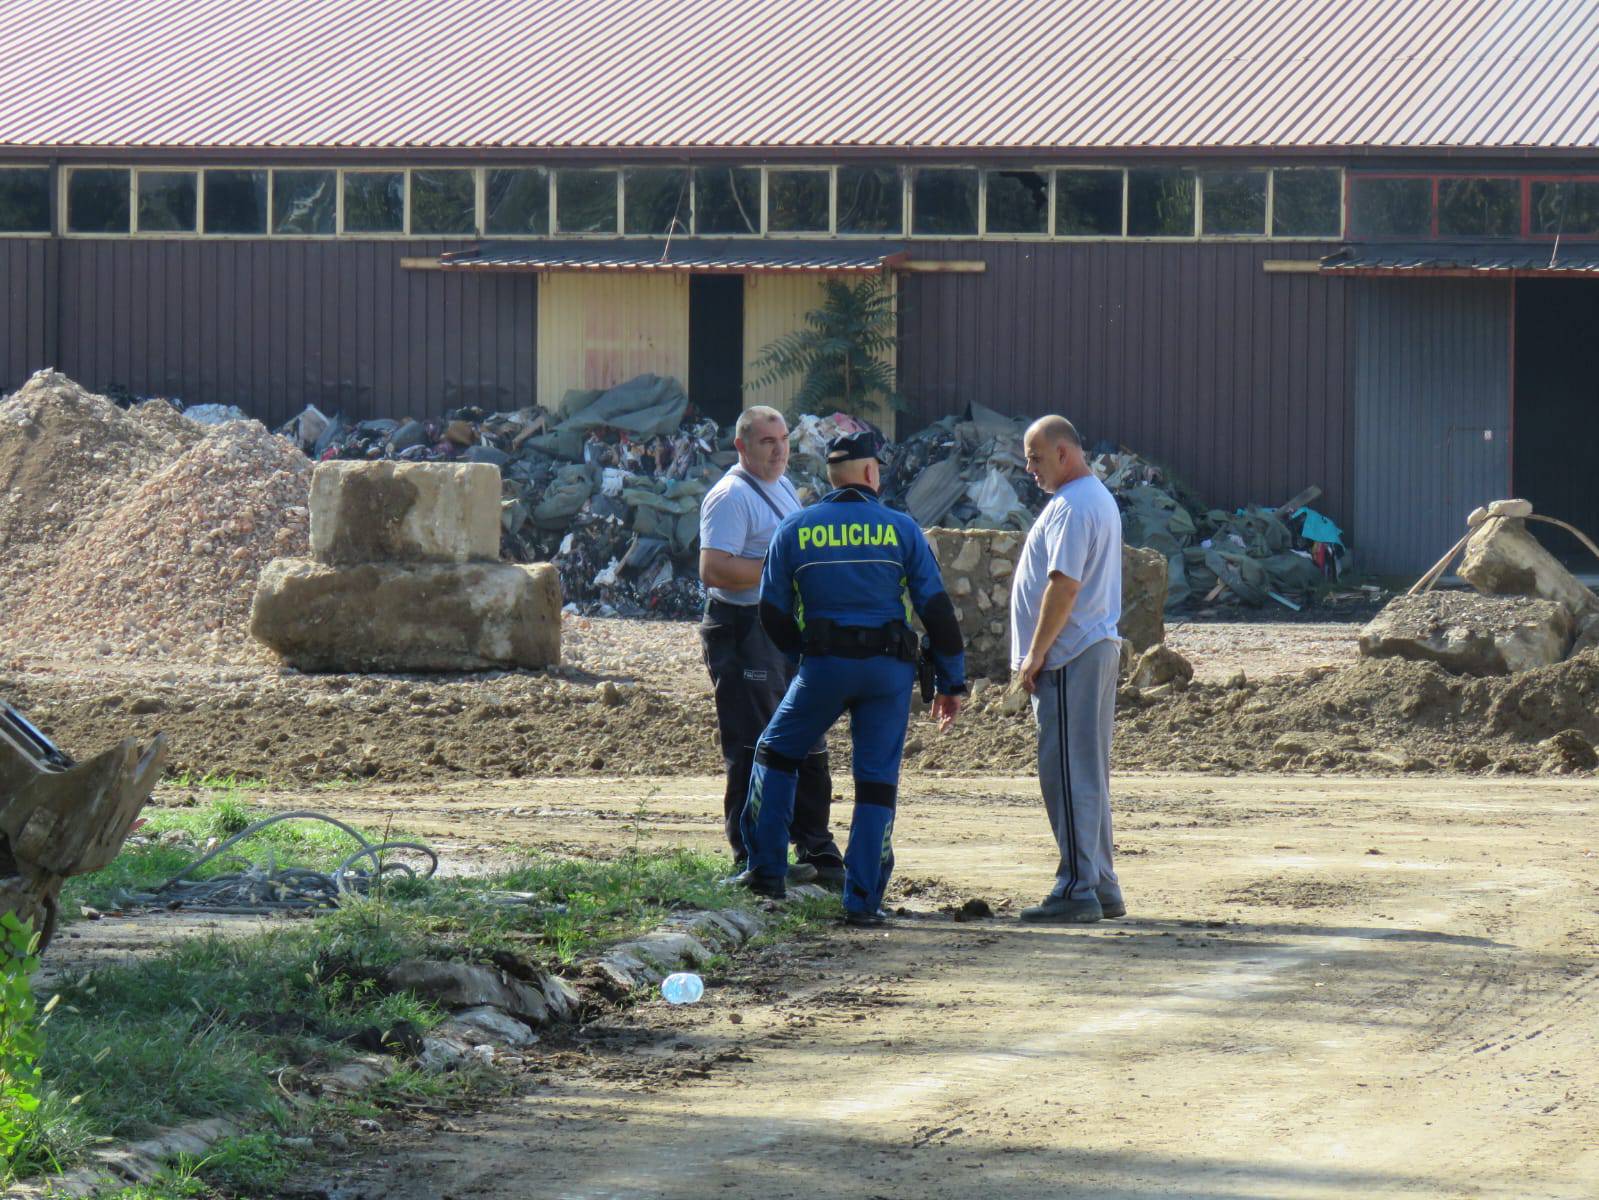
[{"x": 492, "y": 1010}]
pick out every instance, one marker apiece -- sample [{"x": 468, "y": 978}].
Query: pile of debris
[
  {"x": 137, "y": 531},
  {"x": 1527, "y": 610},
  {"x": 609, "y": 485}
]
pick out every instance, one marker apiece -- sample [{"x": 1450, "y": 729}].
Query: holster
[{"x": 924, "y": 669}]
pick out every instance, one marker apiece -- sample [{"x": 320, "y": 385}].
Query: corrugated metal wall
[
  {"x": 27, "y": 307},
  {"x": 1186, "y": 352},
  {"x": 598, "y": 330},
  {"x": 273, "y": 326},
  {"x": 1431, "y": 366}
]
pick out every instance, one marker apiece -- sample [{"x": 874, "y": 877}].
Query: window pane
[
  {"x": 1479, "y": 207},
  {"x": 1559, "y": 208},
  {"x": 1305, "y": 203},
  {"x": 944, "y": 201},
  {"x": 797, "y": 201},
  {"x": 656, "y": 200},
  {"x": 1088, "y": 203},
  {"x": 1235, "y": 202},
  {"x": 1390, "y": 207},
  {"x": 517, "y": 202},
  {"x": 303, "y": 202},
  {"x": 870, "y": 200},
  {"x": 727, "y": 200},
  {"x": 25, "y": 200},
  {"x": 1018, "y": 202},
  {"x": 167, "y": 201},
  {"x": 235, "y": 201},
  {"x": 374, "y": 202},
  {"x": 443, "y": 202},
  {"x": 1160, "y": 203},
  {"x": 97, "y": 201},
  {"x": 585, "y": 201}
]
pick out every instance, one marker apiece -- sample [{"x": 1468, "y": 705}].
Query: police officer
[
  {"x": 749, "y": 673},
  {"x": 841, "y": 580}
]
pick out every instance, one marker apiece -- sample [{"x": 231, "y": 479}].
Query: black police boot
[{"x": 761, "y": 885}]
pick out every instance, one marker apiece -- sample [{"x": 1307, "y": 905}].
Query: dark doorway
[
  {"x": 1556, "y": 447},
  {"x": 716, "y": 346}
]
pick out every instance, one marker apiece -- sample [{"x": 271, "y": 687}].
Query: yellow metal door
[{"x": 599, "y": 330}]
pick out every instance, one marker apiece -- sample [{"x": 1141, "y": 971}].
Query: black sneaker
[
  {"x": 1112, "y": 904},
  {"x": 761, "y": 885},
  {"x": 802, "y": 872},
  {"x": 1060, "y": 910},
  {"x": 865, "y": 920}
]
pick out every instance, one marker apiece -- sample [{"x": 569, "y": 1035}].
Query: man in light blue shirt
[
  {"x": 1066, "y": 598},
  {"x": 749, "y": 673}
]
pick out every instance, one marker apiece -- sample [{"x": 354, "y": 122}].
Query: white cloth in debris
[
  {"x": 1079, "y": 534},
  {"x": 735, "y": 520}
]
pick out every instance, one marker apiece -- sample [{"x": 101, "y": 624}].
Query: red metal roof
[{"x": 800, "y": 74}]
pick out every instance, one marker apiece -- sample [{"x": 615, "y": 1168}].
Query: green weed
[{"x": 204, "y": 1027}]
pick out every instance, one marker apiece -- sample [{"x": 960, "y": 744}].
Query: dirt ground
[
  {"x": 632, "y": 698},
  {"x": 1324, "y": 988}
]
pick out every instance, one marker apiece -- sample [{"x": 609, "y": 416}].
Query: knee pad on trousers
[
  {"x": 766, "y": 756},
  {"x": 881, "y": 795}
]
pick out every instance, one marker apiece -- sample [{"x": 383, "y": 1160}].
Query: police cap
[{"x": 847, "y": 446}]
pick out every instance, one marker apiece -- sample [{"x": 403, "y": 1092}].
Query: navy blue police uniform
[{"x": 841, "y": 582}]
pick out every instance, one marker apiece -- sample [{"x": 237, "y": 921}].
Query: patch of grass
[
  {"x": 204, "y": 1027},
  {"x": 213, "y": 782},
  {"x": 147, "y": 862},
  {"x": 254, "y": 1164}
]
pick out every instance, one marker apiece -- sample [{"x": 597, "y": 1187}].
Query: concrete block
[
  {"x": 365, "y": 512},
  {"x": 1504, "y": 559},
  {"x": 1470, "y": 634},
  {"x": 1145, "y": 575},
  {"x": 409, "y": 616}
]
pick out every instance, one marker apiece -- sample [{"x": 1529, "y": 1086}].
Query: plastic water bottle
[{"x": 683, "y": 988}]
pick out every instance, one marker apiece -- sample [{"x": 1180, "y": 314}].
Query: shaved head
[
  {"x": 1053, "y": 429},
  {"x": 1054, "y": 452}
]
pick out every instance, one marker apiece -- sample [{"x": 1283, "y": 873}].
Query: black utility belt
[
  {"x": 826, "y": 639},
  {"x": 715, "y": 606}
]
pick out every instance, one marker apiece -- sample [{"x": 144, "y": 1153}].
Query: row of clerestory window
[{"x": 709, "y": 201}]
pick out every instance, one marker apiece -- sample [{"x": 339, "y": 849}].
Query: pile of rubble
[
  {"x": 1527, "y": 610},
  {"x": 137, "y": 531},
  {"x": 608, "y": 487}
]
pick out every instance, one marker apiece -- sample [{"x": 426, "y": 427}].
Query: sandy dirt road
[{"x": 1323, "y": 989}]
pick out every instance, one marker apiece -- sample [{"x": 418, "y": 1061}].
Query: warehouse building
[{"x": 1270, "y": 243}]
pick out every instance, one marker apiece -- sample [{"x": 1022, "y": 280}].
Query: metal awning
[
  {"x": 1469, "y": 259},
  {"x": 694, "y": 255}
]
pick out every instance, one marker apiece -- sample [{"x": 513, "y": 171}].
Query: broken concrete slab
[
  {"x": 1161, "y": 664},
  {"x": 1503, "y": 558},
  {"x": 1145, "y": 576},
  {"x": 1470, "y": 634},
  {"x": 486, "y": 1023},
  {"x": 363, "y": 512},
  {"x": 409, "y": 616}
]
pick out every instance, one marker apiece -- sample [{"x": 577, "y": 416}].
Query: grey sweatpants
[{"x": 1075, "y": 706}]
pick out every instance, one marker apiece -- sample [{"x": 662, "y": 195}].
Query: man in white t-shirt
[
  {"x": 750, "y": 674},
  {"x": 1066, "y": 598}
]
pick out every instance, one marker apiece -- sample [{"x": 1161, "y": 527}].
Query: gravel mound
[
  {"x": 68, "y": 455},
  {"x": 143, "y": 532}
]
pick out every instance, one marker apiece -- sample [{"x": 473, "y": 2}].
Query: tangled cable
[{"x": 269, "y": 888}]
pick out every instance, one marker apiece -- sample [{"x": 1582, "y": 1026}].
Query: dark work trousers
[{"x": 751, "y": 676}]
